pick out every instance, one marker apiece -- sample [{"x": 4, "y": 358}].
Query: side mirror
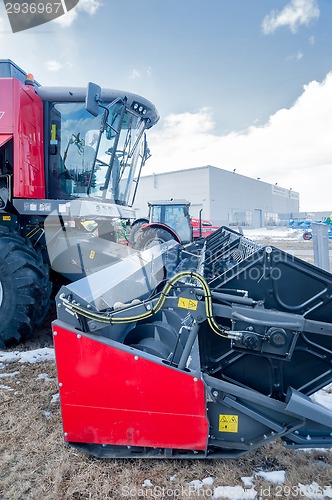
[{"x": 93, "y": 98}]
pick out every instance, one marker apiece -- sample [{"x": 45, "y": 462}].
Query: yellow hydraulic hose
[{"x": 102, "y": 318}]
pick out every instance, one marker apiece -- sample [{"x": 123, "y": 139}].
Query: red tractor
[
  {"x": 167, "y": 220},
  {"x": 74, "y": 152}
]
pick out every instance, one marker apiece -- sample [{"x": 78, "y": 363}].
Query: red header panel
[
  {"x": 21, "y": 114},
  {"x": 110, "y": 396}
]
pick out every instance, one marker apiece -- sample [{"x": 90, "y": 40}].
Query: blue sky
[{"x": 243, "y": 84}]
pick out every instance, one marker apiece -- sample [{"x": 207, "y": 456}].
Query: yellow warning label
[
  {"x": 6, "y": 217},
  {"x": 187, "y": 303},
  {"x": 228, "y": 423},
  {"x": 53, "y": 133},
  {"x": 92, "y": 254}
]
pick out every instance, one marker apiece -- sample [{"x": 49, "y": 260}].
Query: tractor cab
[
  {"x": 173, "y": 214},
  {"x": 167, "y": 220}
]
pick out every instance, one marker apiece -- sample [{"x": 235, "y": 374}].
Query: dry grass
[{"x": 36, "y": 464}]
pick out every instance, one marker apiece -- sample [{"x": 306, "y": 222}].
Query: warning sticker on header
[
  {"x": 187, "y": 303},
  {"x": 228, "y": 423}
]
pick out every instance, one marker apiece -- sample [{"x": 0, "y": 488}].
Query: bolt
[
  {"x": 55, "y": 333},
  {"x": 195, "y": 379},
  {"x": 215, "y": 394},
  {"x": 242, "y": 440},
  {"x": 60, "y": 384},
  {"x": 65, "y": 434},
  {"x": 136, "y": 358},
  {"x": 59, "y": 305},
  {"x": 79, "y": 336}
]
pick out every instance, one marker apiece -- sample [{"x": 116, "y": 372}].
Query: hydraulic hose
[{"x": 111, "y": 320}]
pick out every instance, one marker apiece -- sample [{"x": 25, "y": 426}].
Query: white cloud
[
  {"x": 53, "y": 65},
  {"x": 298, "y": 56},
  {"x": 68, "y": 18},
  {"x": 293, "y": 15},
  {"x": 293, "y": 148},
  {"x": 135, "y": 73},
  {"x": 312, "y": 40},
  {"x": 140, "y": 73},
  {"x": 2, "y": 24},
  {"x": 88, "y": 6}
]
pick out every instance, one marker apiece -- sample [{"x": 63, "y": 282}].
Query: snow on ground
[
  {"x": 276, "y": 476},
  {"x": 34, "y": 356},
  {"x": 249, "y": 490},
  {"x": 274, "y": 234}
]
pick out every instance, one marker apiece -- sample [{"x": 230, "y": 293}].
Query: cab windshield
[{"x": 98, "y": 156}]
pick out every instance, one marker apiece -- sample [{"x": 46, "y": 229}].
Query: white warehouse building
[{"x": 223, "y": 197}]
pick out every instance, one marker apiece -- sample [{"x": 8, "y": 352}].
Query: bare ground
[{"x": 36, "y": 464}]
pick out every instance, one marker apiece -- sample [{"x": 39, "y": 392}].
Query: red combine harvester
[{"x": 69, "y": 151}]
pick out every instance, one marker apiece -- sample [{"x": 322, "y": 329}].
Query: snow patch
[
  {"x": 12, "y": 374},
  {"x": 234, "y": 492},
  {"x": 34, "y": 356},
  {"x": 197, "y": 484},
  {"x": 208, "y": 481},
  {"x": 248, "y": 481},
  {"x": 147, "y": 483},
  {"x": 55, "y": 398},
  {"x": 276, "y": 477},
  {"x": 315, "y": 492},
  {"x": 274, "y": 234},
  {"x": 6, "y": 388},
  {"x": 323, "y": 397},
  {"x": 44, "y": 376}
]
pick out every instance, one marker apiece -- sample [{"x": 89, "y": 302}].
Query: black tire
[
  {"x": 24, "y": 288},
  {"x": 43, "y": 263},
  {"x": 135, "y": 233},
  {"x": 152, "y": 236}
]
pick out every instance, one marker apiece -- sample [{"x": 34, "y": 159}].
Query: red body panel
[
  {"x": 206, "y": 227},
  {"x": 21, "y": 111},
  {"x": 5, "y": 138},
  {"x": 112, "y": 396}
]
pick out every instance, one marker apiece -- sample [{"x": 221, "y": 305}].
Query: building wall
[
  {"x": 226, "y": 198},
  {"x": 237, "y": 199},
  {"x": 191, "y": 184}
]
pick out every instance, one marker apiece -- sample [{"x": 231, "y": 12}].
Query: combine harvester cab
[{"x": 209, "y": 362}]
